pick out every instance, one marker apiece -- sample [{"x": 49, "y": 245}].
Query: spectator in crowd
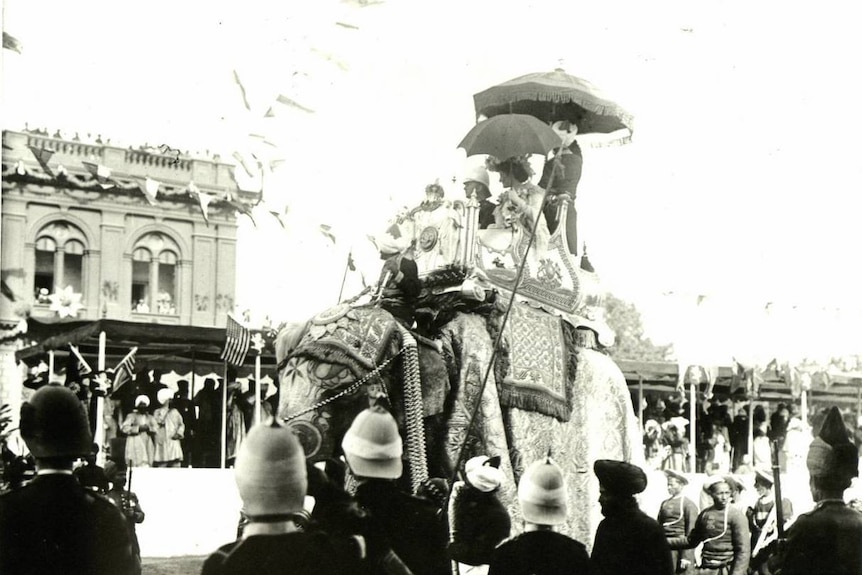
[
  {"x": 677, "y": 516},
  {"x": 675, "y": 445},
  {"x": 53, "y": 526},
  {"x": 272, "y": 480},
  {"x": 653, "y": 446},
  {"x": 723, "y": 531},
  {"x": 208, "y": 401},
  {"x": 126, "y": 501},
  {"x": 169, "y": 431},
  {"x": 739, "y": 438},
  {"x": 183, "y": 404},
  {"x": 539, "y": 549},
  {"x": 761, "y": 448},
  {"x": 478, "y": 521},
  {"x": 90, "y": 475},
  {"x": 627, "y": 540},
  {"x": 827, "y": 539},
  {"x": 137, "y": 426},
  {"x": 409, "y": 528}
]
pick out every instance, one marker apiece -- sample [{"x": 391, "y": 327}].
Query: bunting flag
[
  {"x": 277, "y": 216},
  {"x": 203, "y": 198},
  {"x": 43, "y": 156},
  {"x": 150, "y": 187},
  {"x": 351, "y": 265},
  {"x": 237, "y": 342},
  {"x": 284, "y": 100},
  {"x": 240, "y": 207},
  {"x": 7, "y": 291},
  {"x": 83, "y": 367},
  {"x": 242, "y": 162},
  {"x": 12, "y": 43},
  {"x": 326, "y": 230},
  {"x": 241, "y": 90},
  {"x": 101, "y": 173},
  {"x": 125, "y": 370}
]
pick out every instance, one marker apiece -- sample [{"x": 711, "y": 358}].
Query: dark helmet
[{"x": 55, "y": 424}]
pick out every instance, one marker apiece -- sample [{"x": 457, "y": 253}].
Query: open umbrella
[
  {"x": 510, "y": 135},
  {"x": 553, "y": 96}
]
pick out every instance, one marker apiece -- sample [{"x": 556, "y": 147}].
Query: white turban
[{"x": 483, "y": 477}]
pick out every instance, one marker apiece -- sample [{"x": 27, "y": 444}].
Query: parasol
[
  {"x": 553, "y": 96},
  {"x": 509, "y": 135}
]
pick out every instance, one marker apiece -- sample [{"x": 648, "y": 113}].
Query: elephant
[{"x": 486, "y": 372}]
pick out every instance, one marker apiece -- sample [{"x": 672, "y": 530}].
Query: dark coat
[
  {"x": 413, "y": 527},
  {"x": 827, "y": 540},
  {"x": 54, "y": 526},
  {"x": 297, "y": 553},
  {"x": 480, "y": 522},
  {"x": 628, "y": 541},
  {"x": 677, "y": 516},
  {"x": 540, "y": 553}
]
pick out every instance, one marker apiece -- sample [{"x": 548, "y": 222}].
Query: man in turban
[
  {"x": 478, "y": 521},
  {"x": 829, "y": 538},
  {"x": 627, "y": 540}
]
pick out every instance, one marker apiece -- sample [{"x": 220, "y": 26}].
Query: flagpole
[
  {"x": 224, "y": 418},
  {"x": 257, "y": 402},
  {"x": 344, "y": 276},
  {"x": 50, "y": 366},
  {"x": 99, "y": 432}
]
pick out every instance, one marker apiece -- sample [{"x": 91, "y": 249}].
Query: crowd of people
[
  {"x": 77, "y": 520},
  {"x": 722, "y": 435}
]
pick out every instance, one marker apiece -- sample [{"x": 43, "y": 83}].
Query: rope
[{"x": 413, "y": 411}]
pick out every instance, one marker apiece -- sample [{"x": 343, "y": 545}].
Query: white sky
[{"x": 742, "y": 182}]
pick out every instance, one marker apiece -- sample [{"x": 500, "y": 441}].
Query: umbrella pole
[{"x": 499, "y": 339}]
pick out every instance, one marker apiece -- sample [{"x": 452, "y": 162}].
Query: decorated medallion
[
  {"x": 331, "y": 315},
  {"x": 428, "y": 238}
]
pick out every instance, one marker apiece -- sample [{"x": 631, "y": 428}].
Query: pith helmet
[
  {"x": 477, "y": 174},
  {"x": 55, "y": 424},
  {"x": 542, "y": 493},
  {"x": 373, "y": 446},
  {"x": 270, "y": 471}
]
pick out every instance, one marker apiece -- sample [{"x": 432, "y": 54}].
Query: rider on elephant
[
  {"x": 399, "y": 283},
  {"x": 521, "y": 201}
]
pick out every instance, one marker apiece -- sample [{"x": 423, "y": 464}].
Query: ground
[{"x": 187, "y": 565}]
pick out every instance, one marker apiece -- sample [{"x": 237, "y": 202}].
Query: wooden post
[
  {"x": 641, "y": 400},
  {"x": 257, "y": 401},
  {"x": 50, "y": 366},
  {"x": 751, "y": 430},
  {"x": 99, "y": 434},
  {"x": 692, "y": 437}
]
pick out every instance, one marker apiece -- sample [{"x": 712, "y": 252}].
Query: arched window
[
  {"x": 154, "y": 275},
  {"x": 59, "y": 260}
]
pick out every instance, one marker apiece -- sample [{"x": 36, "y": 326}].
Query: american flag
[
  {"x": 125, "y": 370},
  {"x": 238, "y": 340},
  {"x": 83, "y": 367}
]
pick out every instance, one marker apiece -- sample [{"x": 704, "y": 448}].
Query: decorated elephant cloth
[{"x": 602, "y": 426}]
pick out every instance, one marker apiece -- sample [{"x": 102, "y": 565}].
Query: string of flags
[{"x": 148, "y": 186}]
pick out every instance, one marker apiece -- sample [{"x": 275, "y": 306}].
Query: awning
[{"x": 159, "y": 346}]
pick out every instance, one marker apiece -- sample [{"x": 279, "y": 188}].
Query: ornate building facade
[{"x": 107, "y": 232}]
